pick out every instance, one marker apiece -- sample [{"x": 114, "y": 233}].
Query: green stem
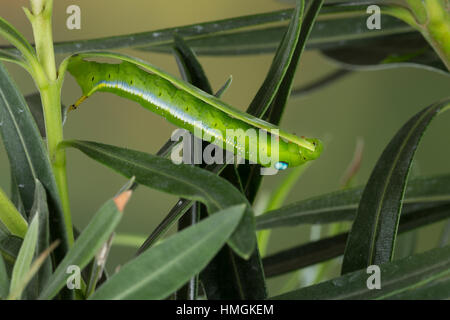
[
  {"x": 129, "y": 240},
  {"x": 51, "y": 100},
  {"x": 41, "y": 20},
  {"x": 419, "y": 10},
  {"x": 50, "y": 89}
]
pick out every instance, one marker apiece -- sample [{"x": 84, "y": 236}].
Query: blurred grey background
[{"x": 371, "y": 105}]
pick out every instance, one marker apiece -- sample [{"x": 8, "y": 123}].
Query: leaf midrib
[
  {"x": 311, "y": 212},
  {"x": 163, "y": 173},
  {"x": 387, "y": 183},
  {"x": 19, "y": 133}
]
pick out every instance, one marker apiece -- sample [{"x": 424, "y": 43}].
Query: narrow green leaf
[
  {"x": 396, "y": 277},
  {"x": 332, "y": 247},
  {"x": 11, "y": 34},
  {"x": 159, "y": 271},
  {"x": 229, "y": 277},
  {"x": 331, "y": 31},
  {"x": 14, "y": 58},
  {"x": 436, "y": 290},
  {"x": 224, "y": 88},
  {"x": 249, "y": 175},
  {"x": 181, "y": 180},
  {"x": 25, "y": 256},
  {"x": 128, "y": 240},
  {"x": 166, "y": 35},
  {"x": 10, "y": 217},
  {"x": 405, "y": 50},
  {"x": 280, "y": 64},
  {"x": 28, "y": 156},
  {"x": 374, "y": 230},
  {"x": 342, "y": 205},
  {"x": 4, "y": 279},
  {"x": 98, "y": 266},
  {"x": 34, "y": 268},
  {"x": 190, "y": 68},
  {"x": 88, "y": 243},
  {"x": 280, "y": 101},
  {"x": 247, "y": 34},
  {"x": 40, "y": 209}
]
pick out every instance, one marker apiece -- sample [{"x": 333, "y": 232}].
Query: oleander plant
[{"x": 219, "y": 250}]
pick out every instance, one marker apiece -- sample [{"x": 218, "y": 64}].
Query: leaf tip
[{"x": 122, "y": 199}]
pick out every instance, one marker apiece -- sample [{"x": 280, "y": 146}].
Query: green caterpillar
[{"x": 189, "y": 112}]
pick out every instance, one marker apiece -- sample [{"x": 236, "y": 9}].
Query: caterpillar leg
[{"x": 77, "y": 103}]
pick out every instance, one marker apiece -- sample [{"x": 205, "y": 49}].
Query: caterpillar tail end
[{"x": 77, "y": 103}]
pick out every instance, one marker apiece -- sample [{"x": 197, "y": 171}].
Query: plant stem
[
  {"x": 437, "y": 28},
  {"x": 419, "y": 10},
  {"x": 432, "y": 19},
  {"x": 41, "y": 20},
  {"x": 50, "y": 89},
  {"x": 51, "y": 101}
]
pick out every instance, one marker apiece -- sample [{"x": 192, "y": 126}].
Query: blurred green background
[{"x": 371, "y": 105}]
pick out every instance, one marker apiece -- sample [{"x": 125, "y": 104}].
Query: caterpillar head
[{"x": 299, "y": 155}]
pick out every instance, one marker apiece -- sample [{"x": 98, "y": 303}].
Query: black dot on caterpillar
[{"x": 92, "y": 79}]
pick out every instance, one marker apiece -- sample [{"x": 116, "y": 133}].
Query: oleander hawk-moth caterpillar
[{"x": 187, "y": 111}]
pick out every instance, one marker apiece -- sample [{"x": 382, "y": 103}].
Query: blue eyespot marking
[{"x": 281, "y": 165}]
